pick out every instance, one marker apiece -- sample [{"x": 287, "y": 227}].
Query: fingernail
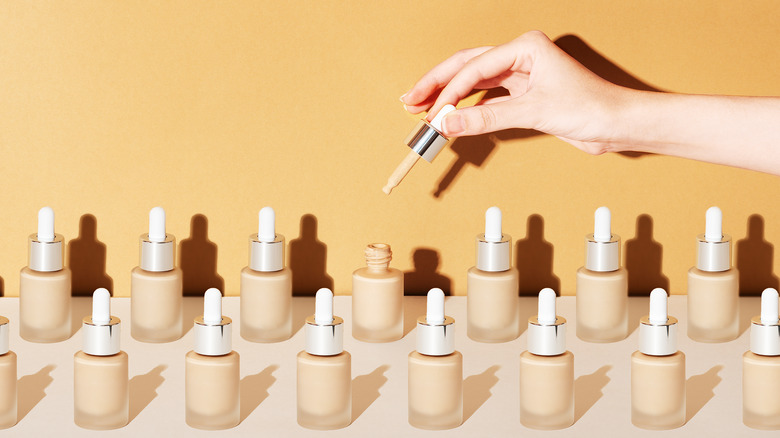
[
  {"x": 402, "y": 97},
  {"x": 453, "y": 124}
]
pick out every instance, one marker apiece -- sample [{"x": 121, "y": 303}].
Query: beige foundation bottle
[
  {"x": 44, "y": 286},
  {"x": 324, "y": 386},
  {"x": 435, "y": 370},
  {"x": 378, "y": 297},
  {"x": 761, "y": 368},
  {"x": 602, "y": 285},
  {"x": 266, "y": 285},
  {"x": 493, "y": 303},
  {"x": 100, "y": 379},
  {"x": 211, "y": 370},
  {"x": 713, "y": 286},
  {"x": 156, "y": 286},
  {"x": 547, "y": 370},
  {"x": 7, "y": 378},
  {"x": 658, "y": 370}
]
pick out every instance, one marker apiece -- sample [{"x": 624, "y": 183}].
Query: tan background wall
[{"x": 215, "y": 109}]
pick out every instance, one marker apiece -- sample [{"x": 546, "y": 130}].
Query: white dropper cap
[
  {"x": 602, "y": 247},
  {"x": 546, "y": 330},
  {"x": 494, "y": 249},
  {"x": 324, "y": 331},
  {"x": 713, "y": 250},
  {"x": 658, "y": 330},
  {"x": 157, "y": 224},
  {"x": 602, "y": 225},
  {"x": 765, "y": 329},
  {"x": 435, "y": 330},
  {"x": 158, "y": 248},
  {"x": 436, "y": 122},
  {"x": 266, "y": 248},
  {"x": 101, "y": 330},
  {"x": 213, "y": 331},
  {"x": 46, "y": 224},
  {"x": 46, "y": 247},
  {"x": 713, "y": 225}
]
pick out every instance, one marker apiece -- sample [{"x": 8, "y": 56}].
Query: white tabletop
[{"x": 491, "y": 406}]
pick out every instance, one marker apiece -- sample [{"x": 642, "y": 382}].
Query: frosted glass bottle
[
  {"x": 8, "y": 375},
  {"x": 761, "y": 367},
  {"x": 377, "y": 297}
]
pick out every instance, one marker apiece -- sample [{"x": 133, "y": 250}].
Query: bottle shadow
[
  {"x": 755, "y": 258},
  {"x": 198, "y": 260},
  {"x": 637, "y": 308},
  {"x": 254, "y": 389},
  {"x": 476, "y": 390},
  {"x": 534, "y": 260},
  {"x": 308, "y": 260},
  {"x": 699, "y": 390},
  {"x": 414, "y": 307},
  {"x": 644, "y": 260},
  {"x": 31, "y": 389},
  {"x": 87, "y": 260},
  {"x": 80, "y": 306},
  {"x": 143, "y": 389},
  {"x": 425, "y": 275},
  {"x": 365, "y": 390},
  {"x": 303, "y": 307},
  {"x": 2, "y": 287},
  {"x": 192, "y": 307},
  {"x": 588, "y": 389}
]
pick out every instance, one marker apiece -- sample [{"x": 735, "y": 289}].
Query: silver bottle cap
[
  {"x": 46, "y": 256},
  {"x": 713, "y": 256},
  {"x": 4, "y": 335},
  {"x": 102, "y": 331},
  {"x": 213, "y": 331},
  {"x": 157, "y": 256},
  {"x": 427, "y": 139},
  {"x": 435, "y": 330},
  {"x": 494, "y": 256},
  {"x": 324, "y": 331},
  {"x": 765, "y": 328},
  {"x": 602, "y": 256},
  {"x": 547, "y": 331},
  {"x": 266, "y": 256},
  {"x": 658, "y": 330}
]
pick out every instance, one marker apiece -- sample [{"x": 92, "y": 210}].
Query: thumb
[{"x": 481, "y": 119}]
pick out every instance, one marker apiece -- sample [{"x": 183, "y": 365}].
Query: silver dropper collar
[
  {"x": 266, "y": 256},
  {"x": 157, "y": 256},
  {"x": 213, "y": 339},
  {"x": 426, "y": 141},
  {"x": 4, "y": 335},
  {"x": 101, "y": 339},
  {"x": 602, "y": 256},
  {"x": 765, "y": 328},
  {"x": 494, "y": 256},
  {"x": 324, "y": 338},
  {"x": 713, "y": 255},
  {"x": 435, "y": 338},
  {"x": 46, "y": 256}
]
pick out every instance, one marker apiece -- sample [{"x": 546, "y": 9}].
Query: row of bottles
[{"x": 435, "y": 370}]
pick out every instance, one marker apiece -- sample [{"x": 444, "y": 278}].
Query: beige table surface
[{"x": 379, "y": 380}]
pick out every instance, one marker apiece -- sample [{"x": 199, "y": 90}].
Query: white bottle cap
[
  {"x": 765, "y": 328},
  {"x": 266, "y": 248},
  {"x": 46, "y": 247},
  {"x": 101, "y": 330},
  {"x": 157, "y": 247},
  {"x": 713, "y": 249},
  {"x": 4, "y": 335},
  {"x": 547, "y": 330},
  {"x": 435, "y": 330},
  {"x": 213, "y": 331},
  {"x": 494, "y": 249},
  {"x": 324, "y": 331},
  {"x": 602, "y": 248},
  {"x": 427, "y": 139},
  {"x": 658, "y": 330}
]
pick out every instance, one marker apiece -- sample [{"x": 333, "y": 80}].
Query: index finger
[{"x": 439, "y": 76}]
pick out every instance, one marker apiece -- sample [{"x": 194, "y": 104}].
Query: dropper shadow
[
  {"x": 476, "y": 390},
  {"x": 254, "y": 389},
  {"x": 755, "y": 259},
  {"x": 308, "y": 260},
  {"x": 414, "y": 307},
  {"x": 699, "y": 390},
  {"x": 644, "y": 260},
  {"x": 534, "y": 260},
  {"x": 425, "y": 275},
  {"x": 143, "y": 389},
  {"x": 365, "y": 390},
  {"x": 79, "y": 308},
  {"x": 31, "y": 389},
  {"x": 198, "y": 260},
  {"x": 87, "y": 260},
  {"x": 588, "y": 389}
]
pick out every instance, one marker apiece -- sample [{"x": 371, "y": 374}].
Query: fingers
[
  {"x": 439, "y": 76},
  {"x": 480, "y": 119}
]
